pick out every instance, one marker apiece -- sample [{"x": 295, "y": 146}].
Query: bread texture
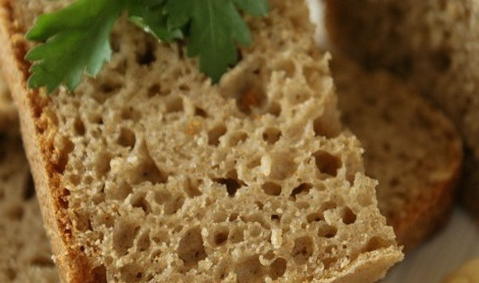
[
  {"x": 431, "y": 44},
  {"x": 26, "y": 255},
  {"x": 150, "y": 173},
  {"x": 411, "y": 148},
  {"x": 8, "y": 113}
]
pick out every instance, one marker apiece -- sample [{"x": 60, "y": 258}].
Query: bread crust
[{"x": 37, "y": 134}]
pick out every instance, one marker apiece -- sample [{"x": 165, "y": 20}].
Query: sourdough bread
[
  {"x": 411, "y": 148},
  {"x": 26, "y": 255},
  {"x": 151, "y": 173}
]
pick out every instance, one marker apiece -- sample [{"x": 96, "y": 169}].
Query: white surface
[{"x": 447, "y": 251}]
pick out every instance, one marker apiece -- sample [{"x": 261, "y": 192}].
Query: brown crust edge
[
  {"x": 431, "y": 211},
  {"x": 38, "y": 134}
]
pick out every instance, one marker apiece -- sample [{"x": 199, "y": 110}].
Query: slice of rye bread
[
  {"x": 412, "y": 149},
  {"x": 25, "y": 250},
  {"x": 151, "y": 173},
  {"x": 432, "y": 44}
]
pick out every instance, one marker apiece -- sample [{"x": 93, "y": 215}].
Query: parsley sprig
[{"x": 76, "y": 40}]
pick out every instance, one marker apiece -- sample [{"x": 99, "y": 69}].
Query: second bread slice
[{"x": 411, "y": 148}]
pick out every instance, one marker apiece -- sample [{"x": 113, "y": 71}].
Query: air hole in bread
[
  {"x": 329, "y": 262},
  {"x": 146, "y": 56},
  {"x": 220, "y": 236},
  {"x": 274, "y": 109},
  {"x": 143, "y": 241},
  {"x": 192, "y": 188},
  {"x": 65, "y": 148},
  {"x": 271, "y": 189},
  {"x": 102, "y": 164},
  {"x": 237, "y": 235},
  {"x": 147, "y": 171},
  {"x": 155, "y": 89},
  {"x": 233, "y": 216},
  {"x": 119, "y": 192},
  {"x": 327, "y": 231},
  {"x": 174, "y": 105},
  {"x": 276, "y": 217},
  {"x": 282, "y": 165},
  {"x": 130, "y": 114},
  {"x": 131, "y": 273},
  {"x": 200, "y": 112},
  {"x": 160, "y": 236},
  {"x": 271, "y": 135},
  {"x": 237, "y": 138},
  {"x": 191, "y": 248},
  {"x": 376, "y": 243},
  {"x": 315, "y": 217},
  {"x": 139, "y": 201},
  {"x": 174, "y": 205},
  {"x": 29, "y": 189},
  {"x": 215, "y": 134},
  {"x": 348, "y": 216},
  {"x": 303, "y": 249},
  {"x": 162, "y": 196},
  {"x": 232, "y": 184},
  {"x": 250, "y": 98},
  {"x": 250, "y": 270},
  {"x": 124, "y": 233},
  {"x": 255, "y": 162},
  {"x": 79, "y": 127},
  {"x": 127, "y": 138},
  {"x": 327, "y": 163},
  {"x": 277, "y": 268},
  {"x": 322, "y": 129},
  {"x": 302, "y": 189},
  {"x": 286, "y": 66}
]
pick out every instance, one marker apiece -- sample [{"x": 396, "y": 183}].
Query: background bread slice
[
  {"x": 149, "y": 172},
  {"x": 432, "y": 44},
  {"x": 25, "y": 251},
  {"x": 411, "y": 148}
]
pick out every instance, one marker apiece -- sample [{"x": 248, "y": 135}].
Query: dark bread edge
[{"x": 38, "y": 134}]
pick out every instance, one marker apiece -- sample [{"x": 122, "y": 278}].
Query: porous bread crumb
[
  {"x": 26, "y": 255},
  {"x": 169, "y": 178},
  {"x": 411, "y": 148}
]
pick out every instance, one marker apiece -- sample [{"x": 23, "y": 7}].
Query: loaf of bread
[
  {"x": 150, "y": 173},
  {"x": 25, "y": 251},
  {"x": 411, "y": 148},
  {"x": 431, "y": 44}
]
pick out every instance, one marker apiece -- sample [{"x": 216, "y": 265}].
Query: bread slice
[
  {"x": 26, "y": 255},
  {"x": 430, "y": 43},
  {"x": 151, "y": 173},
  {"x": 412, "y": 149}
]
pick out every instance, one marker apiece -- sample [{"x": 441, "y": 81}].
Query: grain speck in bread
[
  {"x": 151, "y": 173},
  {"x": 411, "y": 148},
  {"x": 25, "y": 251}
]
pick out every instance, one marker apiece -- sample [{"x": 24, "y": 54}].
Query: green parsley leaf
[
  {"x": 215, "y": 27},
  {"x": 150, "y": 15},
  {"x": 76, "y": 40}
]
